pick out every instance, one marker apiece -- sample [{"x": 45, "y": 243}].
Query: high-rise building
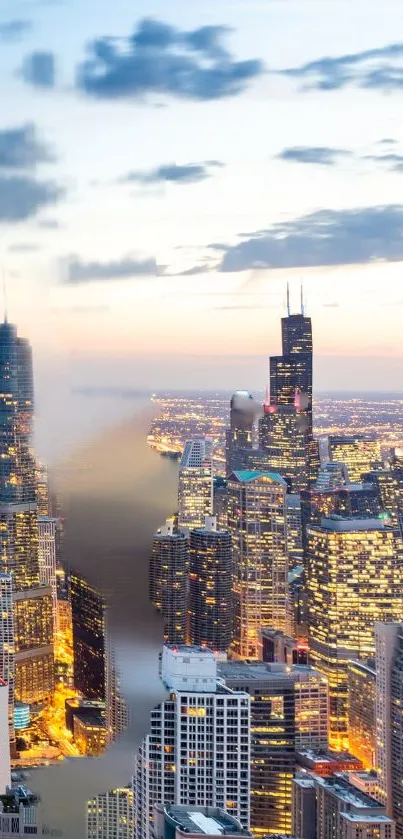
[
  {"x": 289, "y": 711},
  {"x": 33, "y": 635},
  {"x": 294, "y": 529},
  {"x": 333, "y": 808},
  {"x": 198, "y": 751},
  {"x": 239, "y": 436},
  {"x": 7, "y": 645},
  {"x": 47, "y": 558},
  {"x": 18, "y": 522},
  {"x": 396, "y": 695},
  {"x": 110, "y": 815},
  {"x": 331, "y": 475},
  {"x": 168, "y": 580},
  {"x": 285, "y": 431},
  {"x": 389, "y": 719},
  {"x": 210, "y": 610},
  {"x": 354, "y": 579},
  {"x": 20, "y": 814},
  {"x": 5, "y": 763},
  {"x": 88, "y": 612},
  {"x": 220, "y": 502},
  {"x": 195, "y": 497},
  {"x": 361, "y": 711},
  {"x": 390, "y": 492},
  {"x": 360, "y": 453},
  {"x": 257, "y": 523},
  {"x": 288, "y": 448},
  {"x": 42, "y": 490},
  {"x": 117, "y": 712}
]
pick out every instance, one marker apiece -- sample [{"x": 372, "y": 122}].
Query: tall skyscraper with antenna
[{"x": 286, "y": 430}]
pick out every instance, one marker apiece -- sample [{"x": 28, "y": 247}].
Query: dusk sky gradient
[{"x": 157, "y": 191}]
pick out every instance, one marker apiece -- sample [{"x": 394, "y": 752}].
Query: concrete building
[
  {"x": 361, "y": 690},
  {"x": 289, "y": 710},
  {"x": 257, "y": 523},
  {"x": 332, "y": 808},
  {"x": 198, "y": 751},
  {"x": 110, "y": 815},
  {"x": 210, "y": 599},
  {"x": 354, "y": 579},
  {"x": 195, "y": 495}
]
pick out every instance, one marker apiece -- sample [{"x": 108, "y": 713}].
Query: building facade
[
  {"x": 168, "y": 580},
  {"x": 110, "y": 815},
  {"x": 210, "y": 610},
  {"x": 360, "y": 453},
  {"x": 354, "y": 580},
  {"x": 88, "y": 616},
  {"x": 198, "y": 750},
  {"x": 257, "y": 523},
  {"x": 195, "y": 496},
  {"x": 289, "y": 710},
  {"x": 361, "y": 689}
]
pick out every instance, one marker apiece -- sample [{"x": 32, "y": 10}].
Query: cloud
[
  {"x": 14, "y": 30},
  {"x": 160, "y": 59},
  {"x": 321, "y": 155},
  {"x": 174, "y": 173},
  {"x": 20, "y": 148},
  {"x": 326, "y": 237},
  {"x": 49, "y": 224},
  {"x": 392, "y": 161},
  {"x": 24, "y": 247},
  {"x": 127, "y": 268},
  {"x": 372, "y": 69},
  {"x": 39, "y": 69},
  {"x": 21, "y": 197}
]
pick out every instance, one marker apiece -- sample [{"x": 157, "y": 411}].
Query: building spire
[
  {"x": 288, "y": 299},
  {"x": 302, "y": 300}
]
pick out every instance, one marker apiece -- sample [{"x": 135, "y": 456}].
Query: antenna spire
[
  {"x": 302, "y": 300},
  {"x": 288, "y": 299}
]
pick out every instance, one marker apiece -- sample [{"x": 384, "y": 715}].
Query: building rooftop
[
  {"x": 245, "y": 476},
  {"x": 204, "y": 821},
  {"x": 327, "y": 757},
  {"x": 348, "y": 793},
  {"x": 191, "y": 648}
]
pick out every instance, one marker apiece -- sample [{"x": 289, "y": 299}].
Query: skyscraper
[
  {"x": 257, "y": 523},
  {"x": 389, "y": 719},
  {"x": 88, "y": 612},
  {"x": 7, "y": 644},
  {"x": 239, "y": 436},
  {"x": 360, "y": 453},
  {"x": 33, "y": 627},
  {"x": 289, "y": 711},
  {"x": 197, "y": 751},
  {"x": 5, "y": 769},
  {"x": 117, "y": 712},
  {"x": 47, "y": 558},
  {"x": 195, "y": 497},
  {"x": 361, "y": 711},
  {"x": 354, "y": 579},
  {"x": 285, "y": 431},
  {"x": 210, "y": 587},
  {"x": 396, "y": 695},
  {"x": 168, "y": 580},
  {"x": 110, "y": 815}
]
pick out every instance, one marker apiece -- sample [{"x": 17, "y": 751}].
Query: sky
[{"x": 165, "y": 169}]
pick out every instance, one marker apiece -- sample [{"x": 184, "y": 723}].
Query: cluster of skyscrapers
[{"x": 281, "y": 592}]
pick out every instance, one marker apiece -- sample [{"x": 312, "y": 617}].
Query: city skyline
[{"x": 137, "y": 249}]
